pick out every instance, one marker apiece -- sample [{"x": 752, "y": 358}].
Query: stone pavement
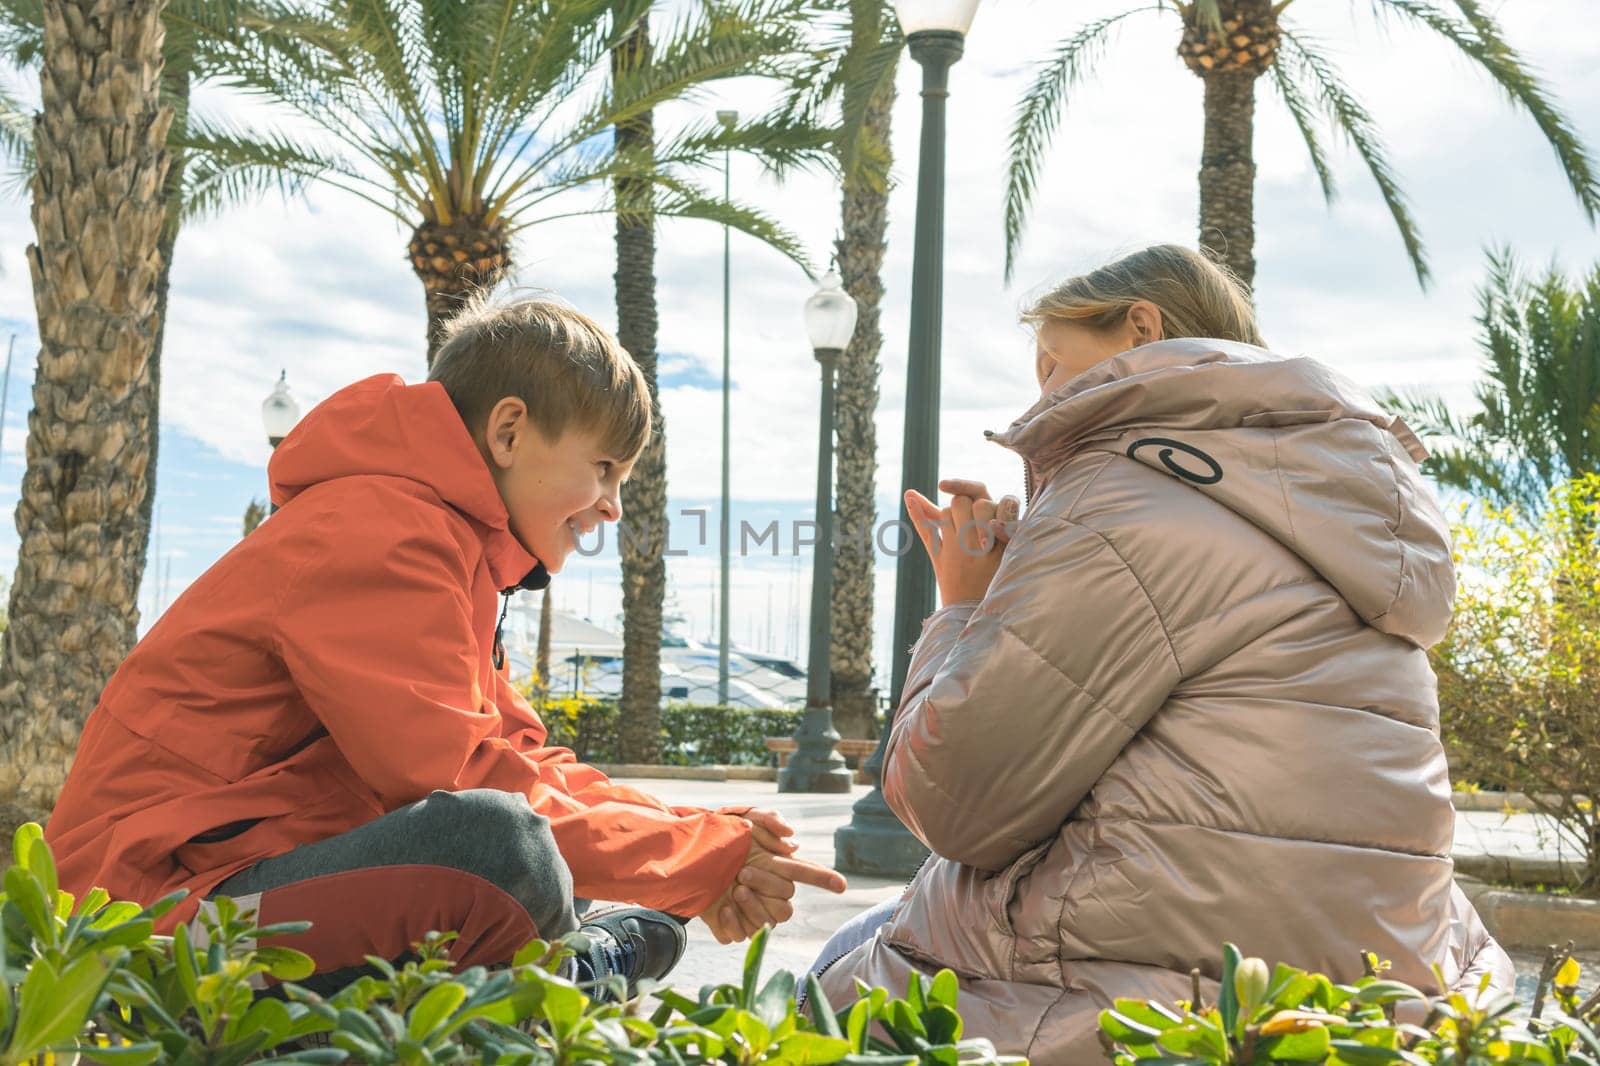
[{"x": 795, "y": 945}]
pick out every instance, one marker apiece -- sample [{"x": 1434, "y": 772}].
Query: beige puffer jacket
[{"x": 1195, "y": 706}]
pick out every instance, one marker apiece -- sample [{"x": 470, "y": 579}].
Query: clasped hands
[
  {"x": 964, "y": 540},
  {"x": 762, "y": 892}
]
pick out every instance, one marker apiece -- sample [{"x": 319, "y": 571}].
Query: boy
[{"x": 322, "y": 728}]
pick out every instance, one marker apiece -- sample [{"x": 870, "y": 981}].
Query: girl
[{"x": 1186, "y": 698}]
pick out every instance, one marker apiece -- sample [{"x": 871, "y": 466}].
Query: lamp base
[
  {"x": 875, "y": 844},
  {"x": 803, "y": 778}
]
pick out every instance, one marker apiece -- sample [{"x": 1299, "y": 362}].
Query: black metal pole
[
  {"x": 272, "y": 508},
  {"x": 875, "y": 842},
  {"x": 816, "y": 766}
]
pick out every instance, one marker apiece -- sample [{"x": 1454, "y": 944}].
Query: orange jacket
[{"x": 335, "y": 665}]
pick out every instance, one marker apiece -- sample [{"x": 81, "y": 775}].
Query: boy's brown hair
[{"x": 567, "y": 368}]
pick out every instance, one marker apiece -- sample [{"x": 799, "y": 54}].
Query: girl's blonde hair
[{"x": 1197, "y": 297}]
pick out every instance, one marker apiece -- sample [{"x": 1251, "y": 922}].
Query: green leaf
[
  {"x": 855, "y": 1026},
  {"x": 1125, "y": 1030},
  {"x": 1312, "y": 1045},
  {"x": 54, "y": 1008},
  {"x": 140, "y": 1054},
  {"x": 1227, "y": 998},
  {"x": 752, "y": 968},
  {"x": 128, "y": 934},
  {"x": 776, "y": 1001},
  {"x": 563, "y": 1006},
  {"x": 43, "y": 866},
  {"x": 286, "y": 964},
  {"x": 438, "y": 1004},
  {"x": 22, "y": 841},
  {"x": 1352, "y": 1053},
  {"x": 24, "y": 890},
  {"x": 943, "y": 1024},
  {"x": 1382, "y": 992},
  {"x": 96, "y": 899},
  {"x": 755, "y": 1033},
  {"x": 185, "y": 964},
  {"x": 804, "y": 1048},
  {"x": 270, "y": 1017},
  {"x": 821, "y": 1010},
  {"x": 946, "y": 987}
]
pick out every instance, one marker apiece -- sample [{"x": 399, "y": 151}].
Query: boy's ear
[{"x": 507, "y": 420}]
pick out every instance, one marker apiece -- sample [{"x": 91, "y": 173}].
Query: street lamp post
[
  {"x": 279, "y": 413},
  {"x": 727, "y": 118},
  {"x": 816, "y": 766},
  {"x": 875, "y": 842}
]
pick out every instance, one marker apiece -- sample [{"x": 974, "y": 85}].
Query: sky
[{"x": 319, "y": 287}]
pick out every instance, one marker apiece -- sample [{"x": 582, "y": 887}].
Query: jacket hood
[
  {"x": 382, "y": 427},
  {"x": 1298, "y": 450}
]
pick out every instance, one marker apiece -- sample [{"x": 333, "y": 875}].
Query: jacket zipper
[{"x": 830, "y": 963}]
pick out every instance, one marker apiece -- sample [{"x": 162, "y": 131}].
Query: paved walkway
[{"x": 796, "y": 944}]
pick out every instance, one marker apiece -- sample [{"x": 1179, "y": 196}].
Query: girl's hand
[{"x": 966, "y": 539}]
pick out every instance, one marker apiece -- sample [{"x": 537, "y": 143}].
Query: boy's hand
[
  {"x": 767, "y": 828},
  {"x": 761, "y": 894}
]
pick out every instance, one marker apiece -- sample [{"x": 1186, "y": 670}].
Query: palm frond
[
  {"x": 16, "y": 144},
  {"x": 229, "y": 165},
  {"x": 1537, "y": 421},
  {"x": 1479, "y": 38},
  {"x": 22, "y": 31},
  {"x": 1350, "y": 117},
  {"x": 782, "y": 144},
  {"x": 1038, "y": 115},
  {"x": 678, "y": 198},
  {"x": 1301, "y": 110},
  {"x": 866, "y": 73}
]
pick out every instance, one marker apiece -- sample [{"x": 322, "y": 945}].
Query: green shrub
[
  {"x": 691, "y": 734},
  {"x": 1519, "y": 669},
  {"x": 87, "y": 978},
  {"x": 1288, "y": 1015}
]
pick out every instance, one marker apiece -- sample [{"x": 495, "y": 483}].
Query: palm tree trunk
[
  {"x": 865, "y": 211},
  {"x": 98, "y": 211},
  {"x": 175, "y": 84},
  {"x": 455, "y": 261},
  {"x": 644, "y": 496},
  {"x": 541, "y": 656},
  {"x": 1228, "y": 172}
]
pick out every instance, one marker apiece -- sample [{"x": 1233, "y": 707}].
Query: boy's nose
[{"x": 610, "y": 508}]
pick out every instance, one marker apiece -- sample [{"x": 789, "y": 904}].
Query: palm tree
[
  {"x": 1228, "y": 44},
  {"x": 637, "y": 199},
  {"x": 541, "y": 654},
  {"x": 99, "y": 207},
  {"x": 465, "y": 120},
  {"x": 1538, "y": 418},
  {"x": 219, "y": 177},
  {"x": 644, "y": 497},
  {"x": 855, "y": 70}
]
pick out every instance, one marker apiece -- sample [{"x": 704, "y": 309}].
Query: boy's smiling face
[{"x": 554, "y": 491}]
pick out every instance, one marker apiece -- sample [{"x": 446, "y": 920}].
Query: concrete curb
[
  {"x": 689, "y": 773},
  {"x": 1519, "y": 869},
  {"x": 1532, "y": 921},
  {"x": 1490, "y": 801}
]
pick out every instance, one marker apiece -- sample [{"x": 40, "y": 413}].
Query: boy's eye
[{"x": 605, "y": 467}]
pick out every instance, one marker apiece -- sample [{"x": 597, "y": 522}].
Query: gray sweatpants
[{"x": 479, "y": 863}]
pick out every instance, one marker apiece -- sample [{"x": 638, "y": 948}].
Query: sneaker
[{"x": 632, "y": 943}]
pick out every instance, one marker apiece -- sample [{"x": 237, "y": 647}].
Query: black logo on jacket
[{"x": 1213, "y": 472}]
